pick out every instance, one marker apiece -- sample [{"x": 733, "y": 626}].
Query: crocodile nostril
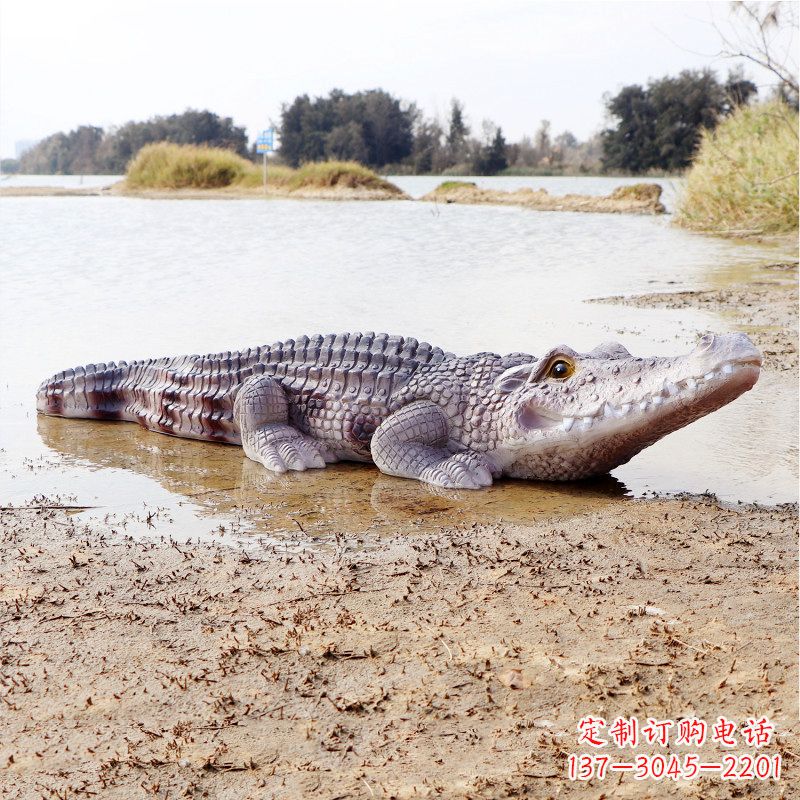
[{"x": 706, "y": 342}]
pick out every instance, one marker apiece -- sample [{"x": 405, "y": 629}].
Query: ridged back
[{"x": 193, "y": 395}]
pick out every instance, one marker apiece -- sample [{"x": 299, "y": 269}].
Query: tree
[
  {"x": 346, "y": 143},
  {"x": 89, "y": 149},
  {"x": 738, "y": 90},
  {"x": 372, "y": 124},
  {"x": 428, "y": 154},
  {"x": 191, "y": 127},
  {"x": 542, "y": 142},
  {"x": 457, "y": 132},
  {"x": 765, "y": 34},
  {"x": 684, "y": 107},
  {"x": 631, "y": 145},
  {"x": 660, "y": 127},
  {"x": 491, "y": 157},
  {"x": 72, "y": 153}
]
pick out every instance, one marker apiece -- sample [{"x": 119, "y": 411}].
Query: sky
[{"x": 95, "y": 62}]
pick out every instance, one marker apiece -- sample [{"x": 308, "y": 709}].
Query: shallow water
[
  {"x": 60, "y": 181},
  {"x": 418, "y": 185},
  {"x": 93, "y": 279}
]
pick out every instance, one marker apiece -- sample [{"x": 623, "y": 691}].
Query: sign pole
[{"x": 264, "y": 144}]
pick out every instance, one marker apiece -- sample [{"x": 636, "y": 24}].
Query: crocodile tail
[{"x": 90, "y": 392}]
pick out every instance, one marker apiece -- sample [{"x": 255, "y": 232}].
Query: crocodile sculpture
[{"x": 413, "y": 409}]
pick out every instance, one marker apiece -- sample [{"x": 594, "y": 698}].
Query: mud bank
[
  {"x": 253, "y": 193},
  {"x": 440, "y": 662},
  {"x": 638, "y": 199},
  {"x": 766, "y": 310},
  {"x": 642, "y": 198},
  {"x": 227, "y": 193}
]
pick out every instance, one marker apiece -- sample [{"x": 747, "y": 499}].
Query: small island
[
  {"x": 171, "y": 170},
  {"x": 641, "y": 198}
]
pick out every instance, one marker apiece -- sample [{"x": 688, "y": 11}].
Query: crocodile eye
[{"x": 560, "y": 369}]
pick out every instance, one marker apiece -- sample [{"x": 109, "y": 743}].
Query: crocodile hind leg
[
  {"x": 261, "y": 410},
  {"x": 412, "y": 443}
]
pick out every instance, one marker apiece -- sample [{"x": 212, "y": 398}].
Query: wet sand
[
  {"x": 366, "y": 666},
  {"x": 766, "y": 310},
  {"x": 428, "y": 657}
]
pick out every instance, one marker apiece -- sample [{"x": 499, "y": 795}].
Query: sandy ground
[
  {"x": 451, "y": 662},
  {"x": 380, "y": 668}
]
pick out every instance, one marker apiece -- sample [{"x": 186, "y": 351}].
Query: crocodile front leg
[
  {"x": 261, "y": 410},
  {"x": 412, "y": 443}
]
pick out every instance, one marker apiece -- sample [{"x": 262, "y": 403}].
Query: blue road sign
[{"x": 265, "y": 143}]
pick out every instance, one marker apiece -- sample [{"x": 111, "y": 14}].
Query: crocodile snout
[{"x": 727, "y": 348}]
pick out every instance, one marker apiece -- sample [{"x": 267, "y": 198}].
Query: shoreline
[
  {"x": 422, "y": 659},
  {"x": 227, "y": 193},
  {"x": 537, "y": 200},
  {"x": 766, "y": 310}
]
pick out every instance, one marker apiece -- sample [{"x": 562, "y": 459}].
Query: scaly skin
[{"x": 414, "y": 410}]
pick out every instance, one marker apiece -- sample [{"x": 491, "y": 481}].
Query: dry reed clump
[
  {"x": 648, "y": 192},
  {"x": 173, "y": 166},
  {"x": 338, "y": 174},
  {"x": 744, "y": 179}
]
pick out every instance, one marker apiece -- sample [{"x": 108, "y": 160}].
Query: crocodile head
[{"x": 570, "y": 415}]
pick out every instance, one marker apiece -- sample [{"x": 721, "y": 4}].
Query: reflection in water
[
  {"x": 139, "y": 278},
  {"x": 220, "y": 482}
]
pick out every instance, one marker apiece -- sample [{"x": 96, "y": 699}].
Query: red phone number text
[{"x": 585, "y": 766}]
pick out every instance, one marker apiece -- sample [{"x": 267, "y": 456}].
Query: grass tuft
[
  {"x": 744, "y": 178},
  {"x": 638, "y": 191},
  {"x": 452, "y": 186},
  {"x": 174, "y": 166}
]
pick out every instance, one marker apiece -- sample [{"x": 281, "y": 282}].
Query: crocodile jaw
[{"x": 609, "y": 432}]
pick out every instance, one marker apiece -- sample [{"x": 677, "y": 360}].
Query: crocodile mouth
[{"x": 693, "y": 396}]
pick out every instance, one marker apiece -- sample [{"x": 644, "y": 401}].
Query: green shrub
[
  {"x": 451, "y": 186},
  {"x": 744, "y": 176}
]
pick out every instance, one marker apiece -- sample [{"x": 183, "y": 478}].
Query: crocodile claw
[
  {"x": 460, "y": 471},
  {"x": 297, "y": 452}
]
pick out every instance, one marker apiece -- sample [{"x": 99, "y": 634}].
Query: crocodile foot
[
  {"x": 460, "y": 471},
  {"x": 413, "y": 443},
  {"x": 281, "y": 448}
]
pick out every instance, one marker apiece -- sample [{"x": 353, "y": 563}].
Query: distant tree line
[
  {"x": 92, "y": 151},
  {"x": 379, "y": 130},
  {"x": 654, "y": 128}
]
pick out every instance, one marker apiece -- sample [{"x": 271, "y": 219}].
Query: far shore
[
  {"x": 623, "y": 200},
  {"x": 120, "y": 189}
]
